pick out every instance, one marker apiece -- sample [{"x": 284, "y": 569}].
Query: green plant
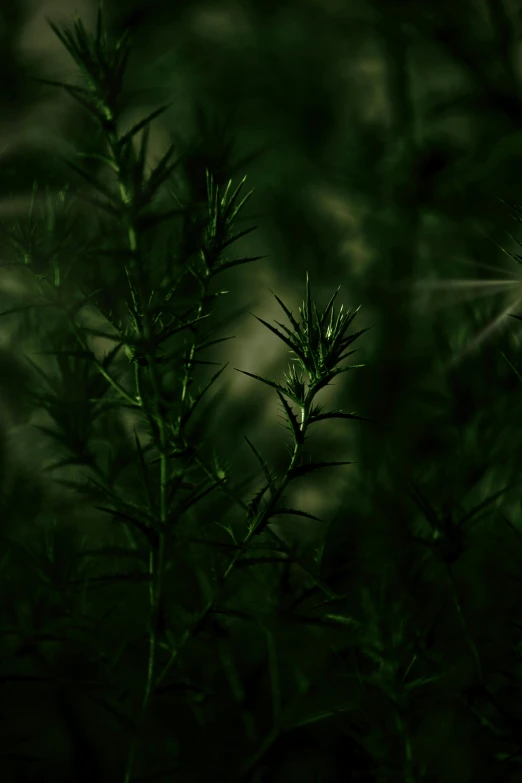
[
  {"x": 162, "y": 567},
  {"x": 166, "y": 614}
]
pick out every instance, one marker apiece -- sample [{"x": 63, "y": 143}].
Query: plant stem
[
  {"x": 255, "y": 524},
  {"x": 144, "y": 331}
]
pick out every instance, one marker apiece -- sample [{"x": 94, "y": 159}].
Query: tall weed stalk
[{"x": 177, "y": 572}]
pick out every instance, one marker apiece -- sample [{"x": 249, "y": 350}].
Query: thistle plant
[{"x": 154, "y": 485}]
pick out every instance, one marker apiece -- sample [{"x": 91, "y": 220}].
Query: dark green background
[{"x": 386, "y": 133}]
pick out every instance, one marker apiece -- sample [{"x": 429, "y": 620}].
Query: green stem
[
  {"x": 144, "y": 332},
  {"x": 257, "y": 522},
  {"x": 330, "y": 594}
]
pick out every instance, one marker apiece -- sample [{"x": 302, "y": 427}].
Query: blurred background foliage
[{"x": 380, "y": 137}]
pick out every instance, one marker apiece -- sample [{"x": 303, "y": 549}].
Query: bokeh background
[
  {"x": 379, "y": 138},
  {"x": 382, "y": 139}
]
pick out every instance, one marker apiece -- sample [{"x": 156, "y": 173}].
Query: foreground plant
[{"x": 154, "y": 487}]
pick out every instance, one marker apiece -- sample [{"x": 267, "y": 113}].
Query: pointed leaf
[
  {"x": 141, "y": 124},
  {"x": 295, "y": 428},
  {"x": 160, "y": 174},
  {"x": 229, "y": 264},
  {"x": 110, "y": 355},
  {"x": 421, "y": 681},
  {"x": 510, "y": 364},
  {"x": 263, "y": 380},
  {"x": 328, "y": 308},
  {"x": 302, "y": 470},
  {"x": 105, "y": 335},
  {"x": 278, "y": 511},
  {"x": 253, "y": 507},
  {"x": 97, "y": 156},
  {"x": 287, "y": 311},
  {"x": 424, "y": 505},
  {"x": 186, "y": 416},
  {"x": 187, "y": 503},
  {"x": 93, "y": 181},
  {"x": 487, "y": 502},
  {"x": 210, "y": 542},
  {"x": 231, "y": 210},
  {"x": 72, "y": 311},
  {"x": 339, "y": 415},
  {"x": 149, "y": 532},
  {"x": 207, "y": 344},
  {"x": 67, "y": 461},
  {"x": 172, "y": 330},
  {"x": 235, "y": 237},
  {"x": 99, "y": 204},
  {"x": 291, "y": 344},
  {"x": 264, "y": 467},
  {"x": 62, "y": 85}
]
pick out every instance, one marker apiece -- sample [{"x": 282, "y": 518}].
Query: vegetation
[{"x": 167, "y": 615}]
